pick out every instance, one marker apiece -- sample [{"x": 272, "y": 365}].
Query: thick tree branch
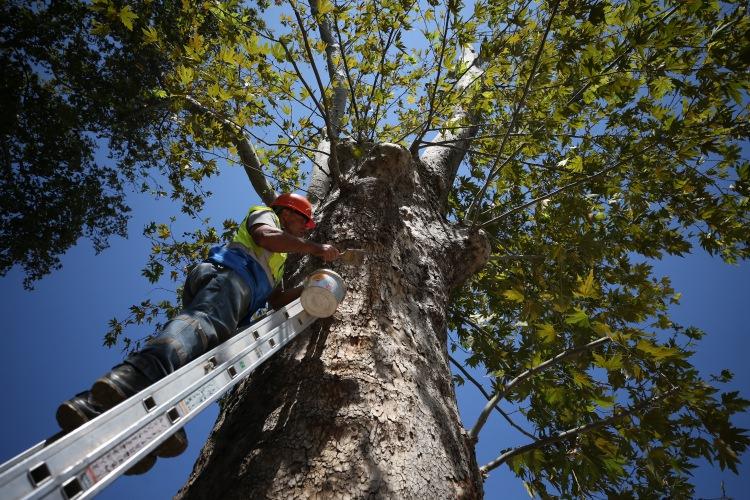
[
  {"x": 331, "y": 131},
  {"x": 335, "y": 69},
  {"x": 474, "y": 433},
  {"x": 250, "y": 161},
  {"x": 449, "y": 144},
  {"x": 560, "y": 436},
  {"x": 320, "y": 176},
  {"x": 442, "y": 159},
  {"x": 488, "y": 396},
  {"x": 321, "y": 173}
]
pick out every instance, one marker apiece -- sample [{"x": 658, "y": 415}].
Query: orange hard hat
[{"x": 298, "y": 203}]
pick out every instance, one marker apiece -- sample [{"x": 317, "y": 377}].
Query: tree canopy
[{"x": 591, "y": 137}]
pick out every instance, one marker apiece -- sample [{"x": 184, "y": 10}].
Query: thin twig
[
  {"x": 535, "y": 65},
  {"x": 330, "y": 131},
  {"x": 347, "y": 71},
  {"x": 553, "y": 193},
  {"x": 474, "y": 433},
  {"x": 310, "y": 56},
  {"x": 383, "y": 55},
  {"x": 487, "y": 395},
  {"x": 250, "y": 160},
  {"x": 290, "y": 56},
  {"x": 560, "y": 436},
  {"x": 415, "y": 145}
]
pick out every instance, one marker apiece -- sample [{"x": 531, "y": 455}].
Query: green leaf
[
  {"x": 581, "y": 379},
  {"x": 278, "y": 52},
  {"x": 554, "y": 395},
  {"x": 612, "y": 363},
  {"x": 546, "y": 332},
  {"x": 660, "y": 86},
  {"x": 513, "y": 295},
  {"x": 602, "y": 329},
  {"x": 127, "y": 16},
  {"x": 578, "y": 318},
  {"x": 325, "y": 7},
  {"x": 575, "y": 165},
  {"x": 604, "y": 402},
  {"x": 163, "y": 231},
  {"x": 658, "y": 352},
  {"x": 185, "y": 75},
  {"x": 150, "y": 35},
  {"x": 587, "y": 287},
  {"x": 608, "y": 447}
]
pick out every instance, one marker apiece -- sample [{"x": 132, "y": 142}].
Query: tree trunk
[{"x": 362, "y": 405}]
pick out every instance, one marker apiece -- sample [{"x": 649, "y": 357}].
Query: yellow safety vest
[{"x": 271, "y": 262}]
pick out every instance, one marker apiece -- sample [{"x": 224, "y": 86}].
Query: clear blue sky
[{"x": 53, "y": 345}]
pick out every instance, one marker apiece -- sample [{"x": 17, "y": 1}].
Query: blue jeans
[{"x": 214, "y": 300}]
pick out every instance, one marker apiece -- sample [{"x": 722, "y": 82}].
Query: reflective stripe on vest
[{"x": 271, "y": 262}]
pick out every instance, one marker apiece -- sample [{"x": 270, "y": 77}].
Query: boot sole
[
  {"x": 142, "y": 467},
  {"x": 69, "y": 418},
  {"x": 107, "y": 394},
  {"x": 175, "y": 445}
]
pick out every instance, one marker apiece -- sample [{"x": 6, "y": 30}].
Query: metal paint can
[{"x": 323, "y": 292}]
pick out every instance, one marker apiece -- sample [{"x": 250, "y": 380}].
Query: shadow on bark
[{"x": 271, "y": 424}]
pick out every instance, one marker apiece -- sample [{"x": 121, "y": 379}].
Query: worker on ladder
[{"x": 219, "y": 294}]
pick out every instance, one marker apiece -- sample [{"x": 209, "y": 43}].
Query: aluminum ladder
[{"x": 81, "y": 463}]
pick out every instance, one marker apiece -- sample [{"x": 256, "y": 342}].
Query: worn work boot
[
  {"x": 118, "y": 385},
  {"x": 143, "y": 466},
  {"x": 176, "y": 444},
  {"x": 81, "y": 408},
  {"x": 76, "y": 411}
]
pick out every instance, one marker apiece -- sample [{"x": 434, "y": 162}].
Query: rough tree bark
[{"x": 362, "y": 405}]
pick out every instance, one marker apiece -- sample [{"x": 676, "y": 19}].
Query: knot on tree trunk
[
  {"x": 351, "y": 153},
  {"x": 388, "y": 162},
  {"x": 469, "y": 251}
]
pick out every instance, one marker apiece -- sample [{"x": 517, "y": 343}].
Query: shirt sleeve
[{"x": 261, "y": 217}]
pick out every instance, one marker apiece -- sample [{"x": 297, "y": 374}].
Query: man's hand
[{"x": 328, "y": 252}]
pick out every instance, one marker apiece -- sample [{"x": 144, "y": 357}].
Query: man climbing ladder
[{"x": 219, "y": 294}]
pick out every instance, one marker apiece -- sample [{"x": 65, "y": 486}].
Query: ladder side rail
[
  {"x": 40, "y": 454},
  {"x": 11, "y": 462},
  {"x": 44, "y": 453},
  {"x": 143, "y": 436},
  {"x": 194, "y": 401}
]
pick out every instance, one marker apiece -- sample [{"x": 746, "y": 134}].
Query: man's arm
[
  {"x": 276, "y": 240},
  {"x": 280, "y": 298}
]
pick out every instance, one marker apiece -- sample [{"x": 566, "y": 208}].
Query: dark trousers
[{"x": 215, "y": 299}]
